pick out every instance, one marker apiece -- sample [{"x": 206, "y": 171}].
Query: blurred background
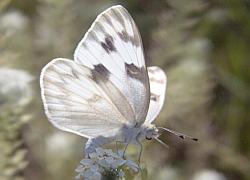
[{"x": 203, "y": 46}]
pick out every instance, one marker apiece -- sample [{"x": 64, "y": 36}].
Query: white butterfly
[{"x": 106, "y": 94}]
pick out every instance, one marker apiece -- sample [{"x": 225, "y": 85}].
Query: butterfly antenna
[
  {"x": 161, "y": 142},
  {"x": 180, "y": 135}
]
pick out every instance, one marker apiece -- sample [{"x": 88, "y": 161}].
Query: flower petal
[
  {"x": 100, "y": 152},
  {"x": 94, "y": 168},
  {"x": 121, "y": 174},
  {"x": 92, "y": 155},
  {"x": 109, "y": 160},
  {"x": 87, "y": 162},
  {"x": 118, "y": 163},
  {"x": 97, "y": 176},
  {"x": 79, "y": 168},
  {"x": 104, "y": 163},
  {"x": 88, "y": 173}
]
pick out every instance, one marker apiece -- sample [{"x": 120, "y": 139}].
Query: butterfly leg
[
  {"x": 125, "y": 150},
  {"x": 116, "y": 144},
  {"x": 140, "y": 153}
]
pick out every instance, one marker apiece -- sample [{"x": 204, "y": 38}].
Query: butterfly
[{"x": 106, "y": 93}]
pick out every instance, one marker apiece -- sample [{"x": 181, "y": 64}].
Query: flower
[
  {"x": 15, "y": 87},
  {"x": 104, "y": 163},
  {"x": 13, "y": 21}
]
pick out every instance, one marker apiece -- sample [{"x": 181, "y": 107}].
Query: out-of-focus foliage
[
  {"x": 15, "y": 93},
  {"x": 203, "y": 46},
  {"x": 3, "y": 4}
]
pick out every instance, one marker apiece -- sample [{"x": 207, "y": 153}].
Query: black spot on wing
[
  {"x": 108, "y": 45},
  {"x": 100, "y": 72},
  {"x": 154, "y": 97},
  {"x": 136, "y": 73},
  {"x": 126, "y": 38}
]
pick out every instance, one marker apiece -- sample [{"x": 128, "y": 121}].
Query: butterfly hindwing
[
  {"x": 75, "y": 102},
  {"x": 158, "y": 85},
  {"x": 113, "y": 47}
]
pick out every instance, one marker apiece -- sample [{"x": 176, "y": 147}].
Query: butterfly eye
[{"x": 148, "y": 138}]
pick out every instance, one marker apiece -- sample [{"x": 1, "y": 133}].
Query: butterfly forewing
[{"x": 112, "y": 47}]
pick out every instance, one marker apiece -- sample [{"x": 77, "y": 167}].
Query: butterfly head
[{"x": 150, "y": 132}]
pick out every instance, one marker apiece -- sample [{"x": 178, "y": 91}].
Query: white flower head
[
  {"x": 13, "y": 21},
  {"x": 104, "y": 163},
  {"x": 15, "y": 87}
]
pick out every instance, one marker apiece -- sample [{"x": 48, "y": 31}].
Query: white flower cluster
[
  {"x": 15, "y": 87},
  {"x": 104, "y": 163}
]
